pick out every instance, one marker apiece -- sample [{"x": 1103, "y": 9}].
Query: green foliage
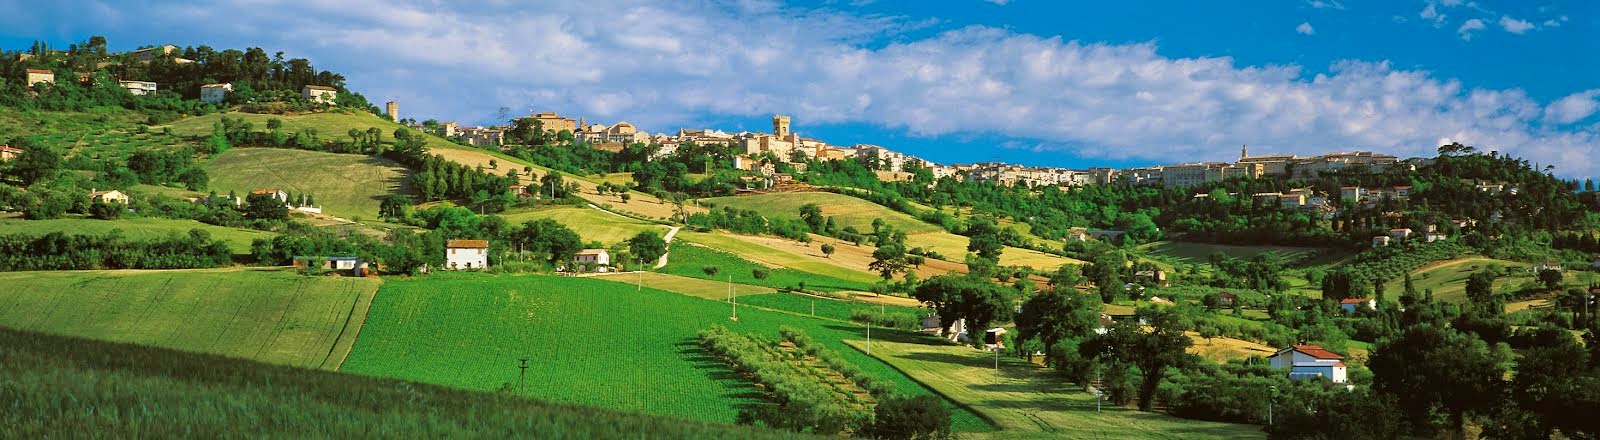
[
  {"x": 648, "y": 247},
  {"x": 58, "y": 251},
  {"x": 1472, "y": 385},
  {"x": 912, "y": 418},
  {"x": 980, "y": 302},
  {"x": 688, "y": 260}
]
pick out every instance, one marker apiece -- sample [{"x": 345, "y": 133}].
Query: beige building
[
  {"x": 151, "y": 53},
  {"x": 36, "y": 76},
  {"x": 1189, "y": 174},
  {"x": 322, "y": 94},
  {"x": 780, "y": 126},
  {"x": 108, "y": 196},
  {"x": 393, "y": 108},
  {"x": 1310, "y": 168},
  {"x": 552, "y": 122},
  {"x": 8, "y": 152},
  {"x": 215, "y": 93}
]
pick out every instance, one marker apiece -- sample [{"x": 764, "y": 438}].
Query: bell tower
[
  {"x": 1244, "y": 151},
  {"x": 780, "y": 126}
]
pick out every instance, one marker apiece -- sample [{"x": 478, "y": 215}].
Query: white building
[
  {"x": 140, "y": 88},
  {"x": 1308, "y": 361},
  {"x": 281, "y": 195},
  {"x": 466, "y": 254},
  {"x": 593, "y": 259},
  {"x": 36, "y": 76},
  {"x": 215, "y": 93},
  {"x": 108, "y": 196},
  {"x": 322, "y": 94}
]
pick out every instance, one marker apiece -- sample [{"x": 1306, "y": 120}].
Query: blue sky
[{"x": 1060, "y": 83}]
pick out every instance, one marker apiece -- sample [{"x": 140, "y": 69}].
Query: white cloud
[
  {"x": 1515, "y": 26},
  {"x": 666, "y": 67},
  {"x": 1574, "y": 107},
  {"x": 999, "y": 2},
  {"x": 1466, "y": 29},
  {"x": 1305, "y": 29},
  {"x": 1431, "y": 13},
  {"x": 1326, "y": 4}
]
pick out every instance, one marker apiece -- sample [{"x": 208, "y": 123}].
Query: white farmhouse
[
  {"x": 322, "y": 94},
  {"x": 1308, "y": 361},
  {"x": 139, "y": 88},
  {"x": 466, "y": 254},
  {"x": 36, "y": 76},
  {"x": 108, "y": 196},
  {"x": 593, "y": 259},
  {"x": 215, "y": 93}
]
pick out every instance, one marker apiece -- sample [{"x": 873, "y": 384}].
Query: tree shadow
[
  {"x": 740, "y": 388},
  {"x": 887, "y": 334}
]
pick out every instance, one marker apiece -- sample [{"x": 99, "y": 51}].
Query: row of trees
[{"x": 58, "y": 251}]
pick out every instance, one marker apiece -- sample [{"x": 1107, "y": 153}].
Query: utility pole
[
  {"x": 522, "y": 382},
  {"x": 734, "y": 298},
  {"x": 869, "y": 337}
]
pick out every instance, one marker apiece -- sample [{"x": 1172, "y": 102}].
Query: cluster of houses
[
  {"x": 474, "y": 254},
  {"x": 1397, "y": 235},
  {"x": 209, "y": 93}
]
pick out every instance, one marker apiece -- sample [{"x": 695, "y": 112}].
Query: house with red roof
[
  {"x": 1308, "y": 361},
  {"x": 1350, "y": 305}
]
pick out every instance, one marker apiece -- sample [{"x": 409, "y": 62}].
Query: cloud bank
[{"x": 663, "y": 67}]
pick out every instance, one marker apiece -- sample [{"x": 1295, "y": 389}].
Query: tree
[
  {"x": 1551, "y": 278},
  {"x": 36, "y": 163},
  {"x": 811, "y": 213},
  {"x": 913, "y": 418},
  {"x": 107, "y": 210},
  {"x": 625, "y": 196},
  {"x": 759, "y": 273},
  {"x": 265, "y": 207},
  {"x": 1056, "y": 315},
  {"x": 1480, "y": 291},
  {"x": 1428, "y": 370},
  {"x": 711, "y": 271},
  {"x": 1152, "y": 350},
  {"x": 547, "y": 238},
  {"x": 987, "y": 238},
  {"x": 393, "y": 206},
  {"x": 647, "y": 247},
  {"x": 888, "y": 260},
  {"x": 827, "y": 250},
  {"x": 954, "y": 297}
]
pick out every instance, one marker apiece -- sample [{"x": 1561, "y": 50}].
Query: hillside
[
  {"x": 134, "y": 228},
  {"x": 1448, "y": 279},
  {"x": 590, "y": 224},
  {"x": 269, "y": 315},
  {"x": 596, "y": 342},
  {"x": 65, "y": 387},
  {"x": 344, "y": 185}
]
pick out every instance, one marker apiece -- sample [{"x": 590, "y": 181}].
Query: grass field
[
  {"x": 778, "y": 257},
  {"x": 696, "y": 287},
  {"x": 141, "y": 228},
  {"x": 1448, "y": 279},
  {"x": 589, "y": 341},
  {"x": 1200, "y": 253},
  {"x": 346, "y": 185},
  {"x": 591, "y": 224},
  {"x": 690, "y": 260},
  {"x": 269, "y": 315},
  {"x": 954, "y": 248},
  {"x": 102, "y": 133},
  {"x": 822, "y": 307},
  {"x": 61, "y": 387},
  {"x": 846, "y": 210},
  {"x": 1027, "y": 402}
]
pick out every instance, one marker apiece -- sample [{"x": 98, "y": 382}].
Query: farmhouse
[
  {"x": 1351, "y": 304},
  {"x": 1381, "y": 241},
  {"x": 466, "y": 254},
  {"x": 1308, "y": 361},
  {"x": 279, "y": 194},
  {"x": 1157, "y": 277},
  {"x": 139, "y": 88},
  {"x": 1400, "y": 234},
  {"x": 215, "y": 93},
  {"x": 108, "y": 196},
  {"x": 353, "y": 265},
  {"x": 8, "y": 152},
  {"x": 322, "y": 94},
  {"x": 36, "y": 76},
  {"x": 593, "y": 259},
  {"x": 1226, "y": 299}
]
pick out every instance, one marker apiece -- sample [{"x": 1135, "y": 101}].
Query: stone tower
[
  {"x": 394, "y": 111},
  {"x": 780, "y": 126},
  {"x": 1244, "y": 151}
]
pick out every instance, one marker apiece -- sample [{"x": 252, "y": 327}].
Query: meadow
[
  {"x": 134, "y": 228},
  {"x": 1026, "y": 401},
  {"x": 269, "y": 315},
  {"x": 846, "y": 263},
  {"x": 345, "y": 185},
  {"x": 1448, "y": 279},
  {"x": 58, "y": 386},
  {"x": 690, "y": 260},
  {"x": 588, "y": 341},
  {"x": 696, "y": 287},
  {"x": 845, "y": 210},
  {"x": 97, "y": 134},
  {"x": 829, "y": 308},
  {"x": 590, "y": 224}
]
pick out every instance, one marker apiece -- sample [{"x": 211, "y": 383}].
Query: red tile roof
[
  {"x": 265, "y": 191},
  {"x": 480, "y": 244},
  {"x": 1354, "y": 301},
  {"x": 40, "y": 71},
  {"x": 1316, "y": 351}
]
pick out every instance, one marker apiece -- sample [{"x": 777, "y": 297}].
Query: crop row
[
  {"x": 800, "y": 403},
  {"x": 878, "y": 388}
]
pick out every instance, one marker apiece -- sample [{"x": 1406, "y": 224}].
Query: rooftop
[
  {"x": 475, "y": 244},
  {"x": 1317, "y": 351}
]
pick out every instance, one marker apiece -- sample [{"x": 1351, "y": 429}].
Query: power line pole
[
  {"x": 734, "y": 298},
  {"x": 522, "y": 381}
]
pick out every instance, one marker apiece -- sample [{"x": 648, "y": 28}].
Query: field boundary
[{"x": 363, "y": 307}]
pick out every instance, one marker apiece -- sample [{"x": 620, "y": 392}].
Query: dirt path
[{"x": 670, "y": 234}]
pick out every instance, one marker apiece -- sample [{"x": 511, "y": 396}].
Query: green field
[
  {"x": 589, "y": 341},
  {"x": 101, "y": 133},
  {"x": 824, "y": 307},
  {"x": 954, "y": 248},
  {"x": 140, "y": 228},
  {"x": 591, "y": 224},
  {"x": 1200, "y": 253},
  {"x": 696, "y": 287},
  {"x": 1448, "y": 279},
  {"x": 269, "y": 315},
  {"x": 61, "y": 387},
  {"x": 1026, "y": 401},
  {"x": 345, "y": 185},
  {"x": 690, "y": 260},
  {"x": 845, "y": 210}
]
